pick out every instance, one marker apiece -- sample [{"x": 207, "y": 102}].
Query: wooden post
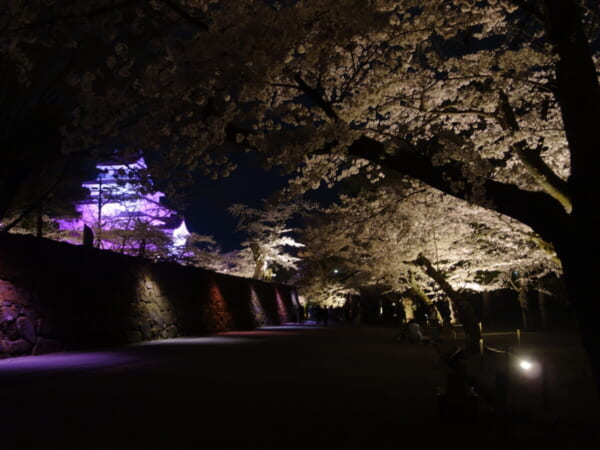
[{"x": 481, "y": 354}]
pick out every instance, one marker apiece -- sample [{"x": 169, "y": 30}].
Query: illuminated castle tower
[{"x": 121, "y": 217}]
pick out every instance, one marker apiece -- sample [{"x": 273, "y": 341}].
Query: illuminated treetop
[{"x": 379, "y": 236}]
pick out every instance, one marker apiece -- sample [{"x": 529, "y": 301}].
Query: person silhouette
[
  {"x": 300, "y": 314},
  {"x": 413, "y": 331},
  {"x": 318, "y": 314}
]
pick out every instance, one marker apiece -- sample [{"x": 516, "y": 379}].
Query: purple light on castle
[{"x": 115, "y": 204}]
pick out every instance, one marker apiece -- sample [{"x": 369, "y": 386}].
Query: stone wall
[{"x": 56, "y": 296}]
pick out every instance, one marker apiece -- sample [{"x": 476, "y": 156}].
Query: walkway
[{"x": 281, "y": 387}]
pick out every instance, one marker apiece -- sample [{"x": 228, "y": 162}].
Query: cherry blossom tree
[
  {"x": 491, "y": 101},
  {"x": 494, "y": 102},
  {"x": 402, "y": 236},
  {"x": 203, "y": 251},
  {"x": 267, "y": 232}
]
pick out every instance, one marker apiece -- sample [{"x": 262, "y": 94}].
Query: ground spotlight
[
  {"x": 525, "y": 365},
  {"x": 529, "y": 368}
]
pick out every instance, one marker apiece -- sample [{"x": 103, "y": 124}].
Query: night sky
[{"x": 209, "y": 199}]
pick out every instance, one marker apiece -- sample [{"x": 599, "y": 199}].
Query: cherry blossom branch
[
  {"x": 443, "y": 112},
  {"x": 533, "y": 162},
  {"x": 549, "y": 87},
  {"x": 535, "y": 209},
  {"x": 316, "y": 97},
  {"x": 395, "y": 202}
]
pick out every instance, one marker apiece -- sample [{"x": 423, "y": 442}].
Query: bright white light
[
  {"x": 473, "y": 286},
  {"x": 525, "y": 365},
  {"x": 180, "y": 235},
  {"x": 335, "y": 271},
  {"x": 530, "y": 369}
]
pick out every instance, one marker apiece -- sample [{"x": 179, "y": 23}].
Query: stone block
[
  {"x": 44, "y": 346},
  {"x": 172, "y": 331},
  {"x": 8, "y": 312},
  {"x": 147, "y": 332},
  {"x": 18, "y": 347},
  {"x": 26, "y": 329},
  {"x": 10, "y": 293},
  {"x": 28, "y": 312},
  {"x": 162, "y": 306},
  {"x": 10, "y": 330},
  {"x": 154, "y": 313}
]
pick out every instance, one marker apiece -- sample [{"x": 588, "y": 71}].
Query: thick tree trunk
[
  {"x": 259, "y": 262},
  {"x": 418, "y": 292},
  {"x": 538, "y": 210},
  {"x": 582, "y": 290},
  {"x": 579, "y": 98},
  {"x": 407, "y": 305},
  {"x": 466, "y": 313}
]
